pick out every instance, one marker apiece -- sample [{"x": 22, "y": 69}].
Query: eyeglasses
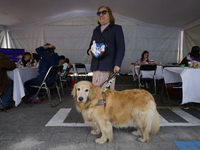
[{"x": 102, "y": 12}]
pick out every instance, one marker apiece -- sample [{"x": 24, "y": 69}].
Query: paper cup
[{"x": 190, "y": 64}]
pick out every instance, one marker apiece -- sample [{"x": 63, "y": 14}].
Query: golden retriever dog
[{"x": 122, "y": 109}]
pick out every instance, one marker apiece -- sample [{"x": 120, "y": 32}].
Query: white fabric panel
[
  {"x": 191, "y": 38},
  {"x": 2, "y": 37},
  {"x": 161, "y": 44},
  {"x": 73, "y": 41}
]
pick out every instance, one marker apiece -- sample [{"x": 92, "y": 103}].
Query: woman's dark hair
[
  {"x": 67, "y": 60},
  {"x": 61, "y": 57},
  {"x": 24, "y": 55},
  {"x": 36, "y": 57},
  {"x": 111, "y": 18},
  {"x": 142, "y": 56},
  {"x": 50, "y": 50},
  {"x": 195, "y": 51}
]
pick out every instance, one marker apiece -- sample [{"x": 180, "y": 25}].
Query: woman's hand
[
  {"x": 139, "y": 64},
  {"x": 116, "y": 69},
  {"x": 89, "y": 52},
  {"x": 50, "y": 46}
]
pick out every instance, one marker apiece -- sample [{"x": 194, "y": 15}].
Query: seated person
[
  {"x": 144, "y": 58},
  {"x": 193, "y": 55},
  {"x": 62, "y": 61},
  {"x": 25, "y": 60},
  {"x": 67, "y": 61},
  {"x": 49, "y": 58},
  {"x": 6, "y": 85}
]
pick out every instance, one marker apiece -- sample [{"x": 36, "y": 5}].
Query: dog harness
[
  {"x": 102, "y": 101},
  {"x": 105, "y": 85}
]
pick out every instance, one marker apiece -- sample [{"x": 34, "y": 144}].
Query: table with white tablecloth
[
  {"x": 146, "y": 74},
  {"x": 190, "y": 82},
  {"x": 19, "y": 76}
]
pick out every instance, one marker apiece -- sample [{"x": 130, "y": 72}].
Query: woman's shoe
[
  {"x": 147, "y": 85},
  {"x": 142, "y": 84},
  {"x": 37, "y": 101},
  {"x": 30, "y": 99}
]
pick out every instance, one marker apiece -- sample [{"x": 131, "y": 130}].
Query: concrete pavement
[{"x": 27, "y": 128}]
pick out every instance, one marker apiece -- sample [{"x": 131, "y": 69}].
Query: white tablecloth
[
  {"x": 190, "y": 82},
  {"x": 19, "y": 76},
  {"x": 146, "y": 74}
]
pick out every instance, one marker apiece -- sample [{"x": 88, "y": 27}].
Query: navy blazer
[
  {"x": 114, "y": 39},
  {"x": 48, "y": 60}
]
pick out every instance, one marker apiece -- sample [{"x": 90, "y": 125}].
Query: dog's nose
[{"x": 80, "y": 98}]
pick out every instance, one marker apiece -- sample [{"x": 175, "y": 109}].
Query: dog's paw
[
  {"x": 100, "y": 140},
  {"x": 135, "y": 133},
  {"x": 95, "y": 132},
  {"x": 141, "y": 139}
]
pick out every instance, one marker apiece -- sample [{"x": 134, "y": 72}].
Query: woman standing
[{"x": 114, "y": 38}]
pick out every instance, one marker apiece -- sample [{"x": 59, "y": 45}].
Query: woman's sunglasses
[{"x": 102, "y": 12}]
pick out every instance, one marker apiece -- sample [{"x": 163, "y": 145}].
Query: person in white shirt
[{"x": 62, "y": 60}]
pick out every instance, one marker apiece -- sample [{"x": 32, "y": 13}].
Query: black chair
[
  {"x": 2, "y": 102},
  {"x": 177, "y": 85},
  {"x": 53, "y": 70},
  {"x": 81, "y": 70},
  {"x": 63, "y": 79},
  {"x": 148, "y": 67}
]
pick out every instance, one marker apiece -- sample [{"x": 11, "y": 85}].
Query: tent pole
[
  {"x": 180, "y": 46},
  {"x": 6, "y": 36}
]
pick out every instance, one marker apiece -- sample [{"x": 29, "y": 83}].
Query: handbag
[{"x": 99, "y": 49}]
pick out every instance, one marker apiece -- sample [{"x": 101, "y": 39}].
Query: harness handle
[{"x": 108, "y": 81}]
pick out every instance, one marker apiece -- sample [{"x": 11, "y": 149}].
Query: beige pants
[{"x": 100, "y": 76}]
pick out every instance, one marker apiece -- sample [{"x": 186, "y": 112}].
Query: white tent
[{"x": 153, "y": 25}]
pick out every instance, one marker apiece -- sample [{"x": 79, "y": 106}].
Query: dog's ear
[
  {"x": 74, "y": 91},
  {"x": 93, "y": 92}
]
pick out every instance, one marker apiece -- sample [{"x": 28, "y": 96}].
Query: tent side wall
[
  {"x": 73, "y": 41},
  {"x": 191, "y": 38}
]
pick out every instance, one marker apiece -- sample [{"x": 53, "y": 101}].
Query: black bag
[{"x": 99, "y": 49}]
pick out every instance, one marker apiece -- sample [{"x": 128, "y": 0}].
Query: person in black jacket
[
  {"x": 6, "y": 85},
  {"x": 114, "y": 38},
  {"x": 193, "y": 55},
  {"x": 49, "y": 58}
]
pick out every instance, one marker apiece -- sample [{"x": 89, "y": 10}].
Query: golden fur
[{"x": 123, "y": 108}]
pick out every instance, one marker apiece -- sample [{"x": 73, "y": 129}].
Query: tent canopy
[
  {"x": 152, "y": 25},
  {"x": 171, "y": 13}
]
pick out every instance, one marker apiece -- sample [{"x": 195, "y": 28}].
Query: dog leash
[{"x": 106, "y": 84}]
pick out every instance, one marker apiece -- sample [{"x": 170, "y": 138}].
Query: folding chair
[
  {"x": 53, "y": 70},
  {"x": 81, "y": 69},
  {"x": 2, "y": 102},
  {"x": 63, "y": 78},
  {"x": 151, "y": 68},
  {"x": 173, "y": 86}
]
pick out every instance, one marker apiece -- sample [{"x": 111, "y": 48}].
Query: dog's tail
[{"x": 155, "y": 123}]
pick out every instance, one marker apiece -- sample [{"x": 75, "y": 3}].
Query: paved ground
[{"x": 62, "y": 128}]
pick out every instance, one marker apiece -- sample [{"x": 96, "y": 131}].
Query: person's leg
[
  {"x": 30, "y": 83},
  {"x": 6, "y": 96},
  {"x": 100, "y": 76}
]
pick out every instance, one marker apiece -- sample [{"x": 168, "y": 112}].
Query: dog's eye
[
  {"x": 78, "y": 89},
  {"x": 86, "y": 90}
]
